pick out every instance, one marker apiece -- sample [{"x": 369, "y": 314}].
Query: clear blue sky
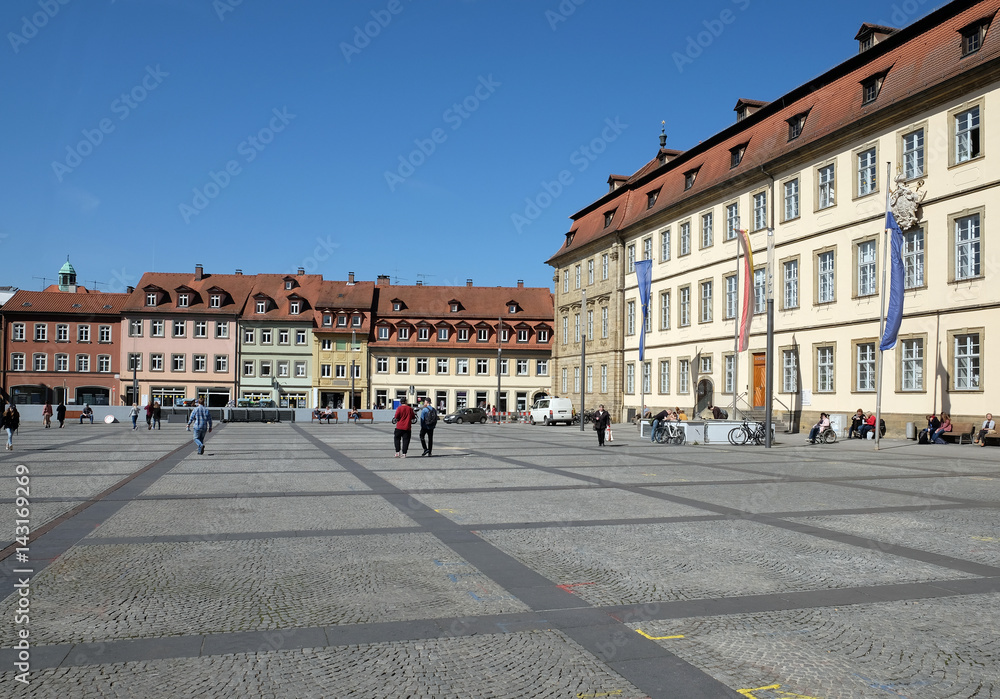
[{"x": 314, "y": 107}]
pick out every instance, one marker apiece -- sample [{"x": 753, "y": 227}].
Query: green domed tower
[{"x": 67, "y": 277}]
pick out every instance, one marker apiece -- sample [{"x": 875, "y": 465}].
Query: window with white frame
[
  {"x": 403, "y": 333},
  {"x": 647, "y": 248},
  {"x": 199, "y": 362},
  {"x": 664, "y": 310},
  {"x": 104, "y": 334},
  {"x": 684, "y": 306},
  {"x": 604, "y": 322},
  {"x": 565, "y": 277},
  {"x": 791, "y": 199},
  {"x": 824, "y": 369},
  {"x": 325, "y": 371},
  {"x": 913, "y": 259},
  {"x": 647, "y": 377},
  {"x": 150, "y": 298},
  {"x": 41, "y": 332},
  {"x": 565, "y": 329},
  {"x": 630, "y": 255},
  {"x": 356, "y": 372},
  {"x": 729, "y": 378},
  {"x": 604, "y": 266},
  {"x": 215, "y": 301},
  {"x": 665, "y": 245},
  {"x": 356, "y": 321},
  {"x": 705, "y": 364},
  {"x": 630, "y": 318},
  {"x": 865, "y": 366},
  {"x": 62, "y": 333},
  {"x": 283, "y": 336},
  {"x": 685, "y": 242},
  {"x": 590, "y": 271},
  {"x": 522, "y": 367},
  {"x": 423, "y": 334},
  {"x": 912, "y": 369},
  {"x": 62, "y": 362},
  {"x": 17, "y": 361},
  {"x": 156, "y": 328},
  {"x": 222, "y": 363},
  {"x": 683, "y": 375},
  {"x": 760, "y": 290},
  {"x": 482, "y": 367},
  {"x": 402, "y": 365},
  {"x": 261, "y": 307},
  {"x": 200, "y": 328},
  {"x": 790, "y": 283},
  {"x": 40, "y": 362},
  {"x": 760, "y": 210},
  {"x": 180, "y": 328},
  {"x": 462, "y": 367},
  {"x": 590, "y": 325},
  {"x": 731, "y": 286},
  {"x": 423, "y": 365},
  {"x": 732, "y": 220},
  {"x": 867, "y": 172},
  {"x": 156, "y": 362},
  {"x": 866, "y": 267},
  {"x": 249, "y": 336},
  {"x": 294, "y": 307},
  {"x": 381, "y": 365},
  {"x": 383, "y": 332},
  {"x": 604, "y": 378},
  {"x": 967, "y": 143},
  {"x": 590, "y": 379},
  {"x": 283, "y": 369},
  {"x": 789, "y": 371},
  {"x": 648, "y": 320},
  {"x": 577, "y": 275},
  {"x": 505, "y": 335},
  {"x": 576, "y": 327},
  {"x": 178, "y": 361},
  {"x": 576, "y": 379},
  {"x": 482, "y": 335},
  {"x": 565, "y": 380},
  {"x": 265, "y": 368},
  {"x": 135, "y": 328},
  {"x": 134, "y": 361},
  {"x": 967, "y": 247},
  {"x": 83, "y": 333},
  {"x": 340, "y": 371},
  {"x": 664, "y": 376},
  {"x": 913, "y": 154},
  {"x": 827, "y": 193},
  {"x": 442, "y": 365},
  {"x": 966, "y": 362},
  {"x": 342, "y": 321},
  {"x": 826, "y": 291},
  {"x": 326, "y": 345},
  {"x": 300, "y": 337},
  {"x": 630, "y": 378},
  {"x": 543, "y": 336},
  {"x": 707, "y": 236},
  {"x": 541, "y": 367},
  {"x": 522, "y": 335},
  {"x": 463, "y": 334},
  {"x": 706, "y": 302}
]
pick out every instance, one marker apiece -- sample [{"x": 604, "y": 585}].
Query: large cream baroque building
[{"x": 810, "y": 167}]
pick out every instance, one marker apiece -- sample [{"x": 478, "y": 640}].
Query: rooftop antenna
[
  {"x": 46, "y": 279},
  {"x": 422, "y": 277}
]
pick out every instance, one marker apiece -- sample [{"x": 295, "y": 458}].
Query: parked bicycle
[
  {"x": 670, "y": 433},
  {"x": 746, "y": 432},
  {"x": 588, "y": 417}
]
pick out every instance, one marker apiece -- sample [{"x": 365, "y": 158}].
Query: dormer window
[
  {"x": 341, "y": 321},
  {"x": 294, "y": 307},
  {"x": 512, "y": 308},
  {"x": 327, "y": 320},
  {"x": 736, "y": 155},
  {"x": 871, "y": 87},
  {"x": 442, "y": 334},
  {"x": 609, "y": 217},
  {"x": 262, "y": 306},
  {"x": 795, "y": 125},
  {"x": 150, "y": 298},
  {"x": 182, "y": 300},
  {"x": 383, "y": 332},
  {"x": 356, "y": 321},
  {"x": 651, "y": 198},
  {"x": 215, "y": 301},
  {"x": 569, "y": 238},
  {"x": 973, "y": 36},
  {"x": 397, "y": 306},
  {"x": 288, "y": 285},
  {"x": 504, "y": 335},
  {"x": 454, "y": 308},
  {"x": 689, "y": 177},
  {"x": 404, "y": 333},
  {"x": 483, "y": 335},
  {"x": 423, "y": 334}
]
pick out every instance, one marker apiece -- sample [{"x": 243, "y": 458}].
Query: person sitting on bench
[{"x": 87, "y": 412}]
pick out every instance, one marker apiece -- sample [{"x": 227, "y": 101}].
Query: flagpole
[
  {"x": 881, "y": 317},
  {"x": 736, "y": 327}
]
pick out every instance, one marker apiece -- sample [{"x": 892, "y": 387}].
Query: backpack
[
  {"x": 430, "y": 420},
  {"x": 724, "y": 413}
]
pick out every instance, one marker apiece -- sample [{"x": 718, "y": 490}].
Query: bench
[
  {"x": 71, "y": 414},
  {"x": 365, "y": 415},
  {"x": 961, "y": 431},
  {"x": 331, "y": 415},
  {"x": 993, "y": 436}
]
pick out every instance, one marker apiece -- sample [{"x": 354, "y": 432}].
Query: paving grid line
[{"x": 645, "y": 664}]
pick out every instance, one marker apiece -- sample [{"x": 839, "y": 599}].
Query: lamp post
[{"x": 583, "y": 359}]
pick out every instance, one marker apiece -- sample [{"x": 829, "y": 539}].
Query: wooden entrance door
[{"x": 759, "y": 379}]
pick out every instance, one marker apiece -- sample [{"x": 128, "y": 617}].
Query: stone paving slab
[
  {"x": 652, "y": 563},
  {"x": 210, "y": 517},
  {"x": 430, "y": 478},
  {"x": 221, "y": 465},
  {"x": 248, "y": 483}
]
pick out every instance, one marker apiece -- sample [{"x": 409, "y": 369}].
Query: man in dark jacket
[
  {"x": 602, "y": 420},
  {"x": 61, "y": 413},
  {"x": 927, "y": 434}
]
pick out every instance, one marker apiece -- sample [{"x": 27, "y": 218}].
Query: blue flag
[
  {"x": 644, "y": 276},
  {"x": 895, "y": 315}
]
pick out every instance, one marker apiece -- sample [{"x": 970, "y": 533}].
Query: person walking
[
  {"x": 428, "y": 421},
  {"x": 11, "y": 421},
  {"x": 602, "y": 421},
  {"x": 149, "y": 415},
  {"x": 403, "y": 419},
  {"x": 157, "y": 412},
  {"x": 202, "y": 420},
  {"x": 134, "y": 414},
  {"x": 47, "y": 415},
  {"x": 61, "y": 413}
]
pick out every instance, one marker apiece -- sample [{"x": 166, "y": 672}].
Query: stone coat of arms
[{"x": 905, "y": 201}]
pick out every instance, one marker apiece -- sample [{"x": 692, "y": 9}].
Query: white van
[{"x": 549, "y": 411}]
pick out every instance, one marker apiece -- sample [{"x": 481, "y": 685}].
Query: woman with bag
[{"x": 602, "y": 423}]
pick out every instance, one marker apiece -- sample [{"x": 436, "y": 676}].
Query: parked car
[
  {"x": 466, "y": 415},
  {"x": 549, "y": 411}
]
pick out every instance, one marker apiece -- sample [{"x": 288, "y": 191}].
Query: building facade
[
  {"x": 805, "y": 176},
  {"x": 179, "y": 337},
  {"x": 461, "y": 346},
  {"x": 343, "y": 321}
]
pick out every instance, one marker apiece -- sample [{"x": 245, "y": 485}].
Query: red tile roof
[
  {"x": 307, "y": 288},
  {"x": 924, "y": 55},
  {"x": 475, "y": 303},
  {"x": 236, "y": 287},
  {"x": 49, "y": 302}
]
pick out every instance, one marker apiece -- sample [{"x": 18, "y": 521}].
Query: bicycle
[
  {"x": 670, "y": 433},
  {"x": 744, "y": 433}
]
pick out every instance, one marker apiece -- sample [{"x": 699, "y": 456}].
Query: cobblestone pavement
[{"x": 304, "y": 561}]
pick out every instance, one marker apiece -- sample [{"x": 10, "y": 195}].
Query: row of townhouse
[
  {"x": 807, "y": 173},
  {"x": 296, "y": 339}
]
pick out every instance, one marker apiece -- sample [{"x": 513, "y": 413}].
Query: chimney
[
  {"x": 199, "y": 272},
  {"x": 468, "y": 282},
  {"x": 302, "y": 270},
  {"x": 350, "y": 277},
  {"x": 419, "y": 283},
  {"x": 129, "y": 289},
  {"x": 520, "y": 283},
  {"x": 383, "y": 280},
  {"x": 239, "y": 273}
]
